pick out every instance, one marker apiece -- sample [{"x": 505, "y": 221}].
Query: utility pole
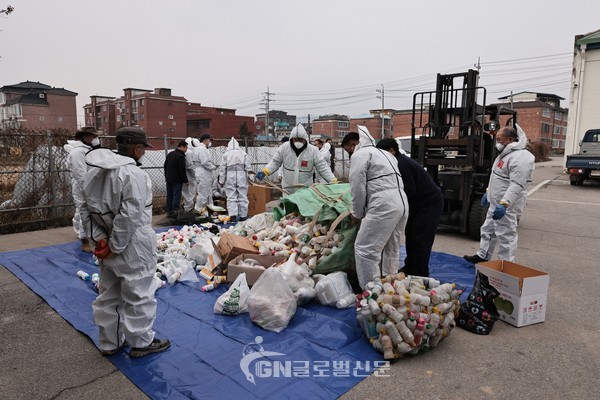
[
  {"x": 309, "y": 129},
  {"x": 266, "y": 100},
  {"x": 382, "y": 97}
]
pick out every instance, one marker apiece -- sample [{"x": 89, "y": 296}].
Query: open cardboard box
[
  {"x": 258, "y": 197},
  {"x": 252, "y": 274},
  {"x": 523, "y": 291},
  {"x": 230, "y": 246}
]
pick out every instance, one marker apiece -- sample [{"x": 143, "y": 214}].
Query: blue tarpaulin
[{"x": 321, "y": 354}]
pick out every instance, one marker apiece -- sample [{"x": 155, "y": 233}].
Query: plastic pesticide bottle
[
  {"x": 95, "y": 278},
  {"x": 411, "y": 323},
  {"x": 175, "y": 276},
  {"x": 400, "y": 288},
  {"x": 346, "y": 301},
  {"x": 404, "y": 312},
  {"x": 84, "y": 275},
  {"x": 449, "y": 321},
  {"x": 388, "y": 349},
  {"x": 393, "y": 333},
  {"x": 391, "y": 312},
  {"x": 393, "y": 299},
  {"x": 377, "y": 345},
  {"x": 403, "y": 347},
  {"x": 371, "y": 330},
  {"x": 374, "y": 307},
  {"x": 209, "y": 286},
  {"x": 361, "y": 321},
  {"x": 446, "y": 288},
  {"x": 388, "y": 288},
  {"x": 434, "y": 339},
  {"x": 405, "y": 333},
  {"x": 429, "y": 329},
  {"x": 376, "y": 292},
  {"x": 419, "y": 331}
]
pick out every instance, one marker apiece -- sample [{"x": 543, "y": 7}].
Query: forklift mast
[{"x": 450, "y": 138}]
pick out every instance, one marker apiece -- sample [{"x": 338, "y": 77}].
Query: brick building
[
  {"x": 280, "y": 123},
  {"x": 332, "y": 126},
  {"x": 541, "y": 117},
  {"x": 160, "y": 113},
  {"x": 373, "y": 123},
  {"x": 34, "y": 105}
]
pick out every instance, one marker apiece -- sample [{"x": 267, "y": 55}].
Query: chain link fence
[{"x": 35, "y": 177}]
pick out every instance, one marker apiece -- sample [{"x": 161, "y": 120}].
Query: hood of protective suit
[
  {"x": 326, "y": 147},
  {"x": 365, "y": 138},
  {"x": 233, "y": 144},
  {"x": 520, "y": 145},
  {"x": 72, "y": 144},
  {"x": 299, "y": 132},
  {"x": 188, "y": 140},
  {"x": 195, "y": 142},
  {"x": 107, "y": 159}
]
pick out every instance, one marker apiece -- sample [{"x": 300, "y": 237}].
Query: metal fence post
[
  {"x": 166, "y": 145},
  {"x": 52, "y": 169}
]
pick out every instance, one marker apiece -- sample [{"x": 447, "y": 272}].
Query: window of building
[
  {"x": 142, "y": 102},
  {"x": 60, "y": 119},
  {"x": 343, "y": 124},
  {"x": 103, "y": 108},
  {"x": 141, "y": 116},
  {"x": 556, "y": 130},
  {"x": 207, "y": 124},
  {"x": 557, "y": 115},
  {"x": 545, "y": 128},
  {"x": 170, "y": 117},
  {"x": 174, "y": 123},
  {"x": 41, "y": 117},
  {"x": 2, "y": 99},
  {"x": 160, "y": 123},
  {"x": 133, "y": 103},
  {"x": 126, "y": 97},
  {"x": 546, "y": 112}
]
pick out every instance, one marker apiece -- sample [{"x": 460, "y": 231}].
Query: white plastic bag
[
  {"x": 201, "y": 250},
  {"x": 235, "y": 300},
  {"x": 271, "y": 303},
  {"x": 332, "y": 288},
  {"x": 178, "y": 269},
  {"x": 298, "y": 278}
]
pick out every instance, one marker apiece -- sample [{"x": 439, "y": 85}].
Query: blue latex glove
[
  {"x": 260, "y": 175},
  {"x": 484, "y": 201},
  {"x": 499, "y": 212}
]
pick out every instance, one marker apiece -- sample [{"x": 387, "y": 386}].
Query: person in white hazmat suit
[
  {"x": 233, "y": 177},
  {"x": 379, "y": 203},
  {"x": 86, "y": 139},
  {"x": 299, "y": 160},
  {"x": 506, "y": 195},
  {"x": 325, "y": 150},
  {"x": 189, "y": 190},
  {"x": 203, "y": 170},
  {"x": 117, "y": 215}
]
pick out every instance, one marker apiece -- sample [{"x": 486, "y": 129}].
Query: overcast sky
[{"x": 317, "y": 56}]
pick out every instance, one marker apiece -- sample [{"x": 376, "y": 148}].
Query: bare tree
[{"x": 8, "y": 10}]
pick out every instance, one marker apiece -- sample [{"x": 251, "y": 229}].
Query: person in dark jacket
[
  {"x": 425, "y": 202},
  {"x": 176, "y": 177}
]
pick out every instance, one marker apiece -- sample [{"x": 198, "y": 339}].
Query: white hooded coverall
[
  {"x": 378, "y": 199},
  {"x": 76, "y": 160},
  {"x": 298, "y": 170},
  {"x": 233, "y": 177},
  {"x": 188, "y": 191},
  {"x": 118, "y": 207},
  {"x": 326, "y": 154},
  {"x": 511, "y": 174},
  {"x": 204, "y": 176}
]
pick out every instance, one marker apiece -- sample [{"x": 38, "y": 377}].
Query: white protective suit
[
  {"x": 76, "y": 160},
  {"x": 326, "y": 154},
  {"x": 233, "y": 177},
  {"x": 298, "y": 170},
  {"x": 203, "y": 170},
  {"x": 511, "y": 174},
  {"x": 378, "y": 199},
  {"x": 118, "y": 207},
  {"x": 188, "y": 191}
]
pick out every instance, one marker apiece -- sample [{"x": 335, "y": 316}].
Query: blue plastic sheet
[{"x": 322, "y": 353}]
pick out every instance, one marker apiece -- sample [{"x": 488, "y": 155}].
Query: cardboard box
[
  {"x": 252, "y": 274},
  {"x": 230, "y": 246},
  {"x": 258, "y": 197},
  {"x": 523, "y": 291}
]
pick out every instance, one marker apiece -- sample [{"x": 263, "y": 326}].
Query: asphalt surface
[{"x": 43, "y": 357}]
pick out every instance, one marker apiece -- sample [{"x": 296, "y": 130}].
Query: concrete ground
[{"x": 43, "y": 357}]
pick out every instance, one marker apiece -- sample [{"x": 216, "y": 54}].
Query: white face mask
[
  {"x": 95, "y": 142},
  {"x": 298, "y": 144},
  {"x": 209, "y": 144},
  {"x": 499, "y": 147}
]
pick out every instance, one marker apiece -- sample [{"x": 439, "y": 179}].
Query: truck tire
[{"x": 477, "y": 215}]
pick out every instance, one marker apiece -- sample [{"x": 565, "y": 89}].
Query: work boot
[
  {"x": 86, "y": 245},
  {"x": 156, "y": 346},
  {"x": 474, "y": 259},
  {"x": 107, "y": 353}
]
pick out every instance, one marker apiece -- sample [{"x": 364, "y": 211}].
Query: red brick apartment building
[
  {"x": 280, "y": 123},
  {"x": 160, "y": 113},
  {"x": 35, "y": 105},
  {"x": 331, "y": 126},
  {"x": 374, "y": 125}
]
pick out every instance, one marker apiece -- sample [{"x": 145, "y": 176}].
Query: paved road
[{"x": 43, "y": 357}]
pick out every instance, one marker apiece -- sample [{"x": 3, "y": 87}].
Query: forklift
[{"x": 452, "y": 136}]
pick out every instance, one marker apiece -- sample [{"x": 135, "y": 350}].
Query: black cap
[
  {"x": 86, "y": 130},
  {"x": 129, "y": 135},
  {"x": 204, "y": 137}
]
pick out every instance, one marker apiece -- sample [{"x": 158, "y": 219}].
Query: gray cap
[{"x": 130, "y": 135}]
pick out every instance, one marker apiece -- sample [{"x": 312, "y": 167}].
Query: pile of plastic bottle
[
  {"x": 296, "y": 234},
  {"x": 407, "y": 314}
]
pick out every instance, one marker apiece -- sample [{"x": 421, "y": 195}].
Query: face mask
[
  {"x": 298, "y": 144},
  {"x": 499, "y": 147},
  {"x": 95, "y": 142},
  {"x": 209, "y": 144}
]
